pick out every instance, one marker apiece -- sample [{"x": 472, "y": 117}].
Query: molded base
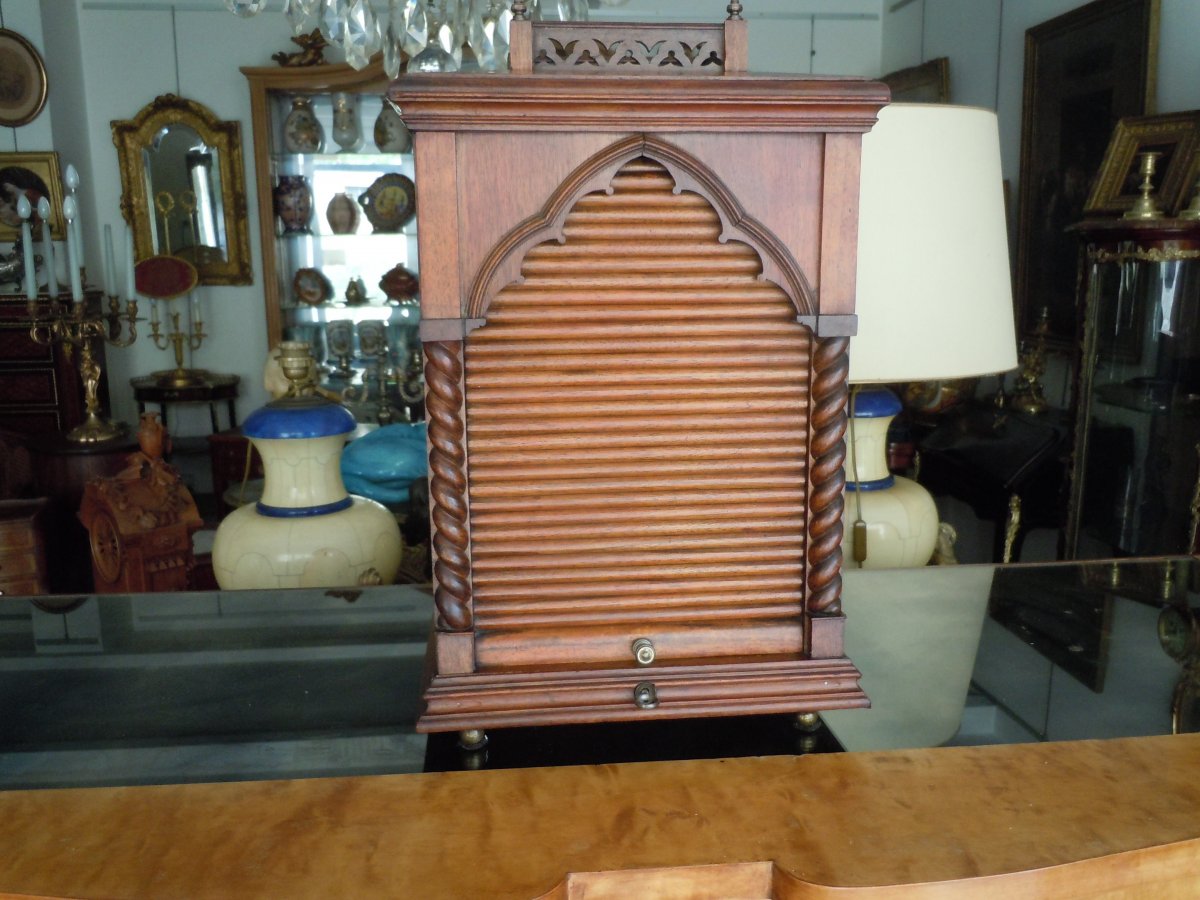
[{"x": 747, "y": 686}]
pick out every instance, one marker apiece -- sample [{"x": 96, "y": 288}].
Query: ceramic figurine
[
  {"x": 391, "y": 134},
  {"x": 399, "y": 284},
  {"x": 293, "y": 203},
  {"x": 302, "y": 131},
  {"x": 356, "y": 292}
]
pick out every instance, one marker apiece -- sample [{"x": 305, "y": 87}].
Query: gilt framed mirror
[{"x": 183, "y": 187}]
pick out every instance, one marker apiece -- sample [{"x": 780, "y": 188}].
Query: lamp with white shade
[{"x": 934, "y": 302}]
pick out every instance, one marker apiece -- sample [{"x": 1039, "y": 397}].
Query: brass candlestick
[
  {"x": 1145, "y": 207},
  {"x": 1028, "y": 394},
  {"x": 74, "y": 325},
  {"x": 177, "y": 339}
]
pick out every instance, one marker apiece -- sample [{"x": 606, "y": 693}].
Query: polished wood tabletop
[{"x": 1117, "y": 818}]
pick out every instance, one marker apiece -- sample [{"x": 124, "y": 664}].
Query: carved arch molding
[{"x": 503, "y": 265}]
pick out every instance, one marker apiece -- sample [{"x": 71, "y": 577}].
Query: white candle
[
  {"x": 153, "y": 311},
  {"x": 72, "y": 180},
  {"x": 130, "y": 275},
  {"x": 24, "y": 210},
  {"x": 43, "y": 209},
  {"x": 72, "y": 251},
  {"x": 110, "y": 284},
  {"x": 194, "y": 302}
]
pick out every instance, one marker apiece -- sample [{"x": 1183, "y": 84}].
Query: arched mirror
[{"x": 183, "y": 188}]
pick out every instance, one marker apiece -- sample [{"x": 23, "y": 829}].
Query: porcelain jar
[
  {"x": 293, "y": 203},
  {"x": 391, "y": 134},
  {"x": 302, "y": 131},
  {"x": 306, "y": 530},
  {"x": 342, "y": 214}
]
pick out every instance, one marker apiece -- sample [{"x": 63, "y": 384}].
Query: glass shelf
[{"x": 359, "y": 258}]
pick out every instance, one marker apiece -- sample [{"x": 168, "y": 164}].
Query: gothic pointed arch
[
  {"x": 639, "y": 415},
  {"x": 503, "y": 265}
]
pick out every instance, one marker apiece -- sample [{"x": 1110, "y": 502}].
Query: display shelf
[
  {"x": 1135, "y": 469},
  {"x": 343, "y": 245}
]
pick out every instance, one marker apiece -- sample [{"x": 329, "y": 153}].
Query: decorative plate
[
  {"x": 390, "y": 202},
  {"x": 311, "y": 287}
]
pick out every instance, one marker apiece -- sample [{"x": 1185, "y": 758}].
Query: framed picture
[
  {"x": 927, "y": 83},
  {"x": 1175, "y": 136},
  {"x": 1084, "y": 72},
  {"x": 22, "y": 80},
  {"x": 36, "y": 175}
]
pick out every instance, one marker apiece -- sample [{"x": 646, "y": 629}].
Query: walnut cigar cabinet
[{"x": 637, "y": 290}]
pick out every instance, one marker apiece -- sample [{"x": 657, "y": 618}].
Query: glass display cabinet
[
  {"x": 337, "y": 221},
  {"x": 1137, "y": 426}
]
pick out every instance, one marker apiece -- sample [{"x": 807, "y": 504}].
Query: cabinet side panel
[
  {"x": 437, "y": 237},
  {"x": 839, "y": 224}
]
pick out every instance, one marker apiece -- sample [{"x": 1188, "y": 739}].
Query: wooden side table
[
  {"x": 1011, "y": 474},
  {"x": 212, "y": 390},
  {"x": 227, "y": 451}
]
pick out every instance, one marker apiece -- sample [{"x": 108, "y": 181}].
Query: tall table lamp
[{"x": 934, "y": 302}]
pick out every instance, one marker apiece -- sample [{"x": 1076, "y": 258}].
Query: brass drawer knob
[
  {"x": 645, "y": 696},
  {"x": 643, "y": 651}
]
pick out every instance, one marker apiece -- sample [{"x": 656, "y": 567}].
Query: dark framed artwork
[
  {"x": 1174, "y": 136},
  {"x": 22, "y": 80},
  {"x": 927, "y": 83},
  {"x": 1084, "y": 71}
]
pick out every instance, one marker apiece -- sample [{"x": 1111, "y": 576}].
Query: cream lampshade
[{"x": 934, "y": 301}]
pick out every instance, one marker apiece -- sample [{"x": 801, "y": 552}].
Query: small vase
[
  {"x": 151, "y": 436},
  {"x": 302, "y": 132},
  {"x": 346, "y": 133},
  {"x": 391, "y": 134},
  {"x": 293, "y": 203},
  {"x": 342, "y": 214}
]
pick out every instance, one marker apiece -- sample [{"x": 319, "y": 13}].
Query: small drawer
[
  {"x": 22, "y": 587},
  {"x": 15, "y": 536},
  {"x": 15, "y": 565}
]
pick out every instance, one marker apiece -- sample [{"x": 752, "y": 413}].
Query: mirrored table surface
[{"x": 170, "y": 688}]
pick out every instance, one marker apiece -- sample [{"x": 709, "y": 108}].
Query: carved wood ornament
[{"x": 636, "y": 381}]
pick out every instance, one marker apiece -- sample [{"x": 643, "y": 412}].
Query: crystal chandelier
[{"x": 431, "y": 34}]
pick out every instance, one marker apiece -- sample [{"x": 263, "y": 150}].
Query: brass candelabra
[
  {"x": 78, "y": 325},
  {"x": 178, "y": 339}
]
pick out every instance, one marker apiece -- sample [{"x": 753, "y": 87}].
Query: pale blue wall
[{"x": 108, "y": 58}]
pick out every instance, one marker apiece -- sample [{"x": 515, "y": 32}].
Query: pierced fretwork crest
[{"x": 699, "y": 50}]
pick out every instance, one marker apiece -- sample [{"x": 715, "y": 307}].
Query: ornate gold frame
[{"x": 131, "y": 137}]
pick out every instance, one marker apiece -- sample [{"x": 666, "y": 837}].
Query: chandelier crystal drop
[
  {"x": 432, "y": 35},
  {"x": 245, "y": 8}
]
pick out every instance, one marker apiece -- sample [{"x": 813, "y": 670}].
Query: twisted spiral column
[
  {"x": 829, "y": 394},
  {"x": 448, "y": 484}
]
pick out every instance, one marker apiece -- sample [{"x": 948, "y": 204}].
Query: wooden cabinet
[
  {"x": 316, "y": 136},
  {"x": 638, "y": 290},
  {"x": 1136, "y": 462},
  {"x": 23, "y": 547},
  {"x": 40, "y": 390}
]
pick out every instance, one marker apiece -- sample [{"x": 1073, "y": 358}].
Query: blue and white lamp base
[{"x": 898, "y": 516}]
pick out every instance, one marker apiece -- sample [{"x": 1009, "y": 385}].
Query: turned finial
[
  {"x": 734, "y": 9},
  {"x": 519, "y": 10}
]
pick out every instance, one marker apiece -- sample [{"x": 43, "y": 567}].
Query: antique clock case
[{"x": 637, "y": 292}]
